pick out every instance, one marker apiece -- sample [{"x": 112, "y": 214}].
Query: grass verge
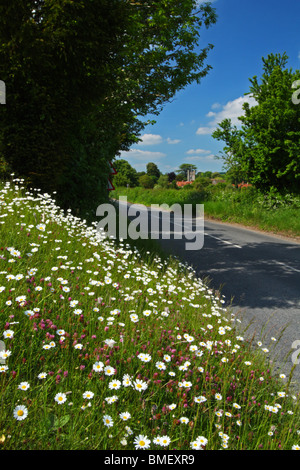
[{"x": 105, "y": 350}]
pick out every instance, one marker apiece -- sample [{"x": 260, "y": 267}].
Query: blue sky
[{"x": 245, "y": 32}]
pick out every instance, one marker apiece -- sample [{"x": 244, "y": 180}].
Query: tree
[
  {"x": 153, "y": 171},
  {"x": 171, "y": 176},
  {"x": 183, "y": 170},
  {"x": 146, "y": 182},
  {"x": 126, "y": 174},
  {"x": 202, "y": 183},
  {"x": 233, "y": 152},
  {"x": 265, "y": 151},
  {"x": 163, "y": 181},
  {"x": 77, "y": 96}
]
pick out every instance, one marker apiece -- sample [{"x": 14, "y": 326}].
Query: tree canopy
[
  {"x": 81, "y": 78},
  {"x": 265, "y": 151}
]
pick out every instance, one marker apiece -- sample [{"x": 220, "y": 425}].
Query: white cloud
[
  {"x": 150, "y": 139},
  {"x": 205, "y": 130},
  {"x": 174, "y": 141},
  {"x": 231, "y": 110},
  {"x": 142, "y": 155},
  {"x": 199, "y": 158},
  {"x": 197, "y": 151}
]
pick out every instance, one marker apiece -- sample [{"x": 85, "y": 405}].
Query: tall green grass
[
  {"x": 247, "y": 206},
  {"x": 107, "y": 350}
]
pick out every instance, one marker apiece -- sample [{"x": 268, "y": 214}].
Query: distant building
[
  {"x": 180, "y": 184},
  {"x": 191, "y": 175},
  {"x": 217, "y": 181},
  {"x": 244, "y": 185}
]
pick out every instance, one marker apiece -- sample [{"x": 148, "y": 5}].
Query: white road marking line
[
  {"x": 224, "y": 241},
  {"x": 286, "y": 266}
]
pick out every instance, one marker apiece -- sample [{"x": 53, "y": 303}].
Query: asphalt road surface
[{"x": 259, "y": 275}]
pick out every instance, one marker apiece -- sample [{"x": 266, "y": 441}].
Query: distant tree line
[{"x": 128, "y": 176}]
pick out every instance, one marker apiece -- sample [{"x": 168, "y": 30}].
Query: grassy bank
[
  {"x": 105, "y": 350},
  {"x": 272, "y": 212}
]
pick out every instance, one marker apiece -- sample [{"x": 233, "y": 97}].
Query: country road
[{"x": 259, "y": 274}]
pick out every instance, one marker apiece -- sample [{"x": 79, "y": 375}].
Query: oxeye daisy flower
[
  {"x": 114, "y": 385},
  {"x": 110, "y": 342},
  {"x": 164, "y": 441},
  {"x": 23, "y": 386},
  {"x": 236, "y": 405},
  {"x": 20, "y": 412},
  {"x": 202, "y": 440},
  {"x": 98, "y": 366},
  {"x": 200, "y": 399},
  {"x": 5, "y": 354},
  {"x": 88, "y": 395},
  {"x": 196, "y": 445},
  {"x": 140, "y": 385},
  {"x": 126, "y": 380},
  {"x": 42, "y": 375},
  {"x": 146, "y": 358},
  {"x": 3, "y": 368},
  {"x": 160, "y": 365},
  {"x": 125, "y": 416},
  {"x": 134, "y": 318},
  {"x": 156, "y": 440},
  {"x": 218, "y": 396},
  {"x": 78, "y": 346},
  {"x": 108, "y": 370},
  {"x": 111, "y": 400},
  {"x": 60, "y": 398},
  {"x": 8, "y": 334},
  {"x": 108, "y": 421},
  {"x": 172, "y": 406},
  {"x": 41, "y": 227},
  {"x": 184, "y": 420},
  {"x": 142, "y": 442},
  {"x": 295, "y": 447}
]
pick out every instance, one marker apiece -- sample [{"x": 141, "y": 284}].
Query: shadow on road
[{"x": 260, "y": 275}]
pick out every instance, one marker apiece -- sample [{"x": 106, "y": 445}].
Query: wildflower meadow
[{"x": 108, "y": 348}]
